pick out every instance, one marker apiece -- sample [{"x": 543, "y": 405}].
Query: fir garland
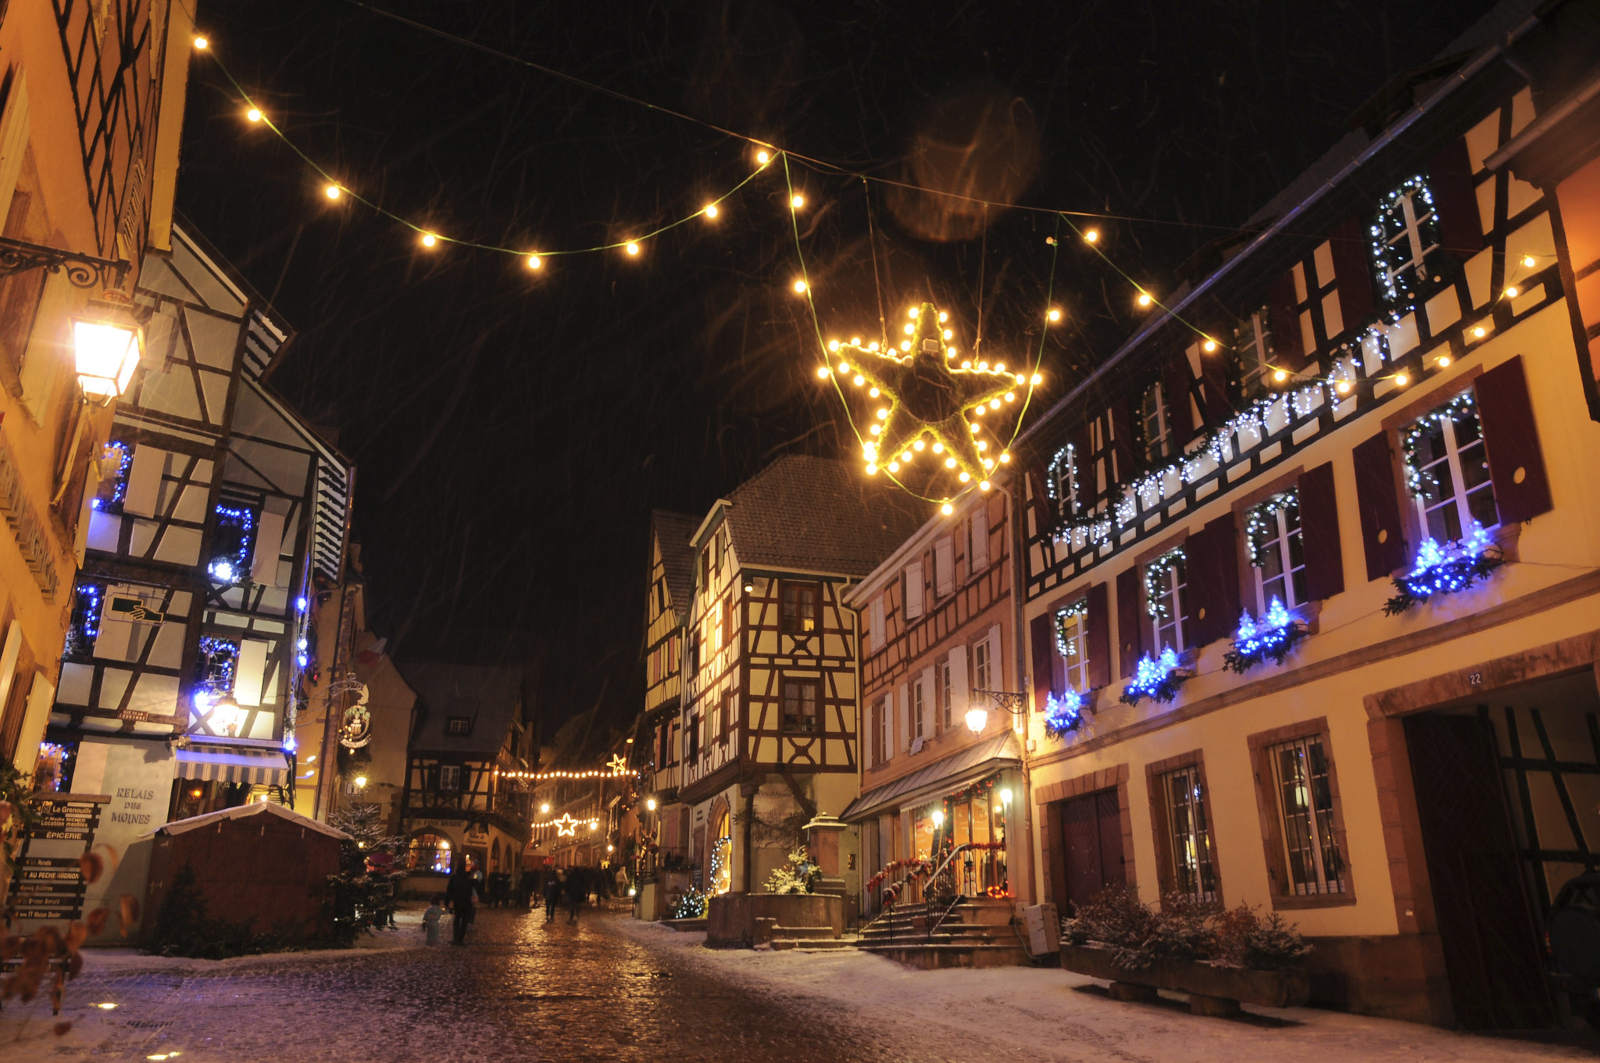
[
  {"x": 1064, "y": 459},
  {"x": 1390, "y": 261},
  {"x": 1445, "y": 570},
  {"x": 1064, "y": 619},
  {"x": 1269, "y": 639},
  {"x": 1462, "y": 409},
  {"x": 1063, "y": 715},
  {"x": 1157, "y": 678},
  {"x": 1259, "y": 524},
  {"x": 1171, "y": 561}
]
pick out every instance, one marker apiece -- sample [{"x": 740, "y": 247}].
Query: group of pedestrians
[{"x": 463, "y": 892}]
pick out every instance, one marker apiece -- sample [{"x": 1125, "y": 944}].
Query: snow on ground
[{"x": 1047, "y": 1014}]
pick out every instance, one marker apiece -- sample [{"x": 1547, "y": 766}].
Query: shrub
[
  {"x": 1184, "y": 929},
  {"x": 1245, "y": 940}
]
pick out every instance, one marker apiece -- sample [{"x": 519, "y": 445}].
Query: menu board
[{"x": 49, "y": 885}]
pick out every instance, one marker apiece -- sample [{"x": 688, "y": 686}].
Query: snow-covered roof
[{"x": 255, "y": 808}]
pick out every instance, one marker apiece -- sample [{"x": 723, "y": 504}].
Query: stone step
[
  {"x": 812, "y": 944},
  {"x": 931, "y": 956},
  {"x": 802, "y": 932}
]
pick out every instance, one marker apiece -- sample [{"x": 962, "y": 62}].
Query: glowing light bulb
[
  {"x": 872, "y": 470},
  {"x": 984, "y": 485},
  {"x": 534, "y": 262},
  {"x": 988, "y": 463},
  {"x": 949, "y": 352},
  {"x": 332, "y": 191},
  {"x": 876, "y": 429},
  {"x": 883, "y": 414},
  {"x": 632, "y": 247},
  {"x": 949, "y": 463},
  {"x": 201, "y": 43},
  {"x": 823, "y": 372},
  {"x": 974, "y": 426},
  {"x": 1145, "y": 298},
  {"x": 994, "y": 404},
  {"x": 1479, "y": 332},
  {"x": 872, "y": 348},
  {"x": 844, "y": 367},
  {"x": 800, "y": 286},
  {"x": 833, "y": 345},
  {"x": 905, "y": 345},
  {"x": 429, "y": 240},
  {"x": 1011, "y": 396},
  {"x": 797, "y": 201},
  {"x": 1091, "y": 236},
  {"x": 999, "y": 367},
  {"x": 894, "y": 466},
  {"x": 913, "y": 312},
  {"x": 947, "y": 509},
  {"x": 910, "y": 328},
  {"x": 763, "y": 156},
  {"x": 1512, "y": 291},
  {"x": 943, "y": 317},
  {"x": 905, "y": 458},
  {"x": 1401, "y": 380},
  {"x": 920, "y": 444},
  {"x": 1209, "y": 345},
  {"x": 254, "y": 114},
  {"x": 964, "y": 477},
  {"x": 949, "y": 334},
  {"x": 858, "y": 380},
  {"x": 710, "y": 210},
  {"x": 1444, "y": 361},
  {"x": 874, "y": 392},
  {"x": 938, "y": 448},
  {"x": 1342, "y": 387},
  {"x": 983, "y": 445},
  {"x": 966, "y": 363},
  {"x": 1035, "y": 380},
  {"x": 1528, "y": 261},
  {"x": 855, "y": 341},
  {"x": 1280, "y": 375},
  {"x": 1005, "y": 457},
  {"x": 1053, "y": 315}
]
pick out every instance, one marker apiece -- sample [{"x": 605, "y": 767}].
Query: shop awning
[
  {"x": 234, "y": 764},
  {"x": 946, "y": 774}
]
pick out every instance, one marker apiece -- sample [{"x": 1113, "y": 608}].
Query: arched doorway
[{"x": 721, "y": 863}]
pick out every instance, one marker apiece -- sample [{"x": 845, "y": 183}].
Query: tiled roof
[
  {"x": 488, "y": 695},
  {"x": 673, "y": 532},
  {"x": 818, "y": 515}
]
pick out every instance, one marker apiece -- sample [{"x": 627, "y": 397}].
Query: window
[
  {"x": 918, "y": 708},
  {"x": 1303, "y": 791},
  {"x": 715, "y": 623},
  {"x": 978, "y": 542},
  {"x": 800, "y": 698},
  {"x": 1061, "y": 480},
  {"x": 913, "y": 590},
  {"x": 215, "y": 667},
  {"x": 429, "y": 852},
  {"x": 1072, "y": 645},
  {"x": 88, "y": 599},
  {"x": 1252, "y": 345},
  {"x": 1404, "y": 234},
  {"x": 233, "y": 543},
  {"x": 694, "y": 736},
  {"x": 673, "y": 735},
  {"x": 458, "y": 725},
  {"x": 945, "y": 693},
  {"x": 113, "y": 489},
  {"x": 1277, "y": 554},
  {"x": 1182, "y": 795},
  {"x": 718, "y": 543},
  {"x": 705, "y": 567},
  {"x": 980, "y": 665},
  {"x": 798, "y": 612},
  {"x": 694, "y": 654},
  {"x": 725, "y": 713},
  {"x": 875, "y": 633},
  {"x": 449, "y": 778},
  {"x": 1165, "y": 580},
  {"x": 944, "y": 566},
  {"x": 1153, "y": 422},
  {"x": 1447, "y": 470},
  {"x": 880, "y": 751}
]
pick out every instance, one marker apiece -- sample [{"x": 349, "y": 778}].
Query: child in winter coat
[{"x": 430, "y": 919}]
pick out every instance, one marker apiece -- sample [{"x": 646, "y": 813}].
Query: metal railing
[{"x": 944, "y": 886}]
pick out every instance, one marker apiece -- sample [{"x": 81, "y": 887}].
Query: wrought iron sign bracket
[
  {"x": 1013, "y": 701},
  {"x": 83, "y": 271}
]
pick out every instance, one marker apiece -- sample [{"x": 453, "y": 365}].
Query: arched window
[
  {"x": 722, "y": 853},
  {"x": 429, "y": 852}
]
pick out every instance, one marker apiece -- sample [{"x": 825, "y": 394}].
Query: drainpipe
[
  {"x": 749, "y": 791},
  {"x": 1019, "y": 543}
]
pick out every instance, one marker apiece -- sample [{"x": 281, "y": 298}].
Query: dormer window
[
  {"x": 458, "y": 725},
  {"x": 233, "y": 543},
  {"x": 1404, "y": 234}
]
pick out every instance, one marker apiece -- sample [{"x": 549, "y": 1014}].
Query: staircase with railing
[{"x": 943, "y": 916}]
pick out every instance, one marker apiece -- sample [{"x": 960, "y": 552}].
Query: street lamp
[
  {"x": 649, "y": 804},
  {"x": 1012, "y": 701},
  {"x": 107, "y": 342},
  {"x": 361, "y": 782},
  {"x": 544, "y": 808}
]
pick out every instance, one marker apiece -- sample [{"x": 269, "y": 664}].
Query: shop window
[
  {"x": 114, "y": 487},
  {"x": 799, "y": 608},
  {"x": 1277, "y": 550},
  {"x": 233, "y": 542},
  {"x": 800, "y": 705},
  {"x": 1304, "y": 799},
  {"x": 1188, "y": 833},
  {"x": 88, "y": 600},
  {"x": 1447, "y": 470},
  {"x": 1153, "y": 422},
  {"x": 1166, "y": 580},
  {"x": 429, "y": 852}
]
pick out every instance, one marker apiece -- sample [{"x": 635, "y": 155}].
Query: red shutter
[
  {"x": 1175, "y": 388},
  {"x": 1121, "y": 442},
  {"x": 1319, "y": 533},
  {"x": 1044, "y": 650},
  {"x": 1039, "y": 501},
  {"x": 1097, "y": 636},
  {"x": 1450, "y": 178},
  {"x": 1130, "y": 620},
  {"x": 1214, "y": 377},
  {"x": 1351, "y": 245},
  {"x": 1516, "y": 464},
  {"x": 1213, "y": 569},
  {"x": 1379, "y": 507},
  {"x": 1283, "y": 320}
]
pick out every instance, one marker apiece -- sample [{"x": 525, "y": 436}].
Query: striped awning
[{"x": 235, "y": 764}]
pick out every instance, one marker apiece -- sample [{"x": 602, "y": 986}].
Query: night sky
[{"x": 512, "y": 430}]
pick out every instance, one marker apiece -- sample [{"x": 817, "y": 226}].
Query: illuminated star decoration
[
  {"x": 930, "y": 402},
  {"x": 617, "y": 765},
  {"x": 566, "y": 825}
]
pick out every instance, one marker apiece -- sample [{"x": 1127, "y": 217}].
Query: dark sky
[{"x": 513, "y": 430}]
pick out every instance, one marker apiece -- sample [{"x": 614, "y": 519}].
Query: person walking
[
  {"x": 461, "y": 892},
  {"x": 577, "y": 887},
  {"x": 554, "y": 887}
]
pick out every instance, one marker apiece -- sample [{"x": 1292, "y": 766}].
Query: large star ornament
[
  {"x": 566, "y": 826},
  {"x": 617, "y": 765},
  {"x": 932, "y": 406}
]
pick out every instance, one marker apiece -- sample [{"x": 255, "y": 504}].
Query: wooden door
[
  {"x": 1091, "y": 846},
  {"x": 1486, "y": 928}
]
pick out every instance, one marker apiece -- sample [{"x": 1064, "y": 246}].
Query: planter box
[
  {"x": 1213, "y": 990},
  {"x": 732, "y": 917}
]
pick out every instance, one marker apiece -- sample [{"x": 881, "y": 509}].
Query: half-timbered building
[
  {"x": 466, "y": 797},
  {"x": 671, "y": 587},
  {"x": 1310, "y": 569},
  {"x": 221, "y": 509},
  {"x": 941, "y": 756},
  {"x": 91, "y": 114},
  {"x": 769, "y": 718}
]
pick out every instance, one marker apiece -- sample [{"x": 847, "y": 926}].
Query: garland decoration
[
  {"x": 1260, "y": 527},
  {"x": 1155, "y": 572},
  {"x": 1397, "y": 271},
  {"x": 1272, "y": 637},
  {"x": 1063, "y": 467},
  {"x": 1063, "y": 715},
  {"x": 1446, "y": 569},
  {"x": 696, "y": 901},
  {"x": 1065, "y": 619},
  {"x": 1157, "y": 678},
  {"x": 1461, "y": 410}
]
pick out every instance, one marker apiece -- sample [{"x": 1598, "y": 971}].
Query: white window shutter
[
  {"x": 979, "y": 558},
  {"x": 904, "y": 697},
  {"x": 926, "y": 680},
  {"x": 960, "y": 688},
  {"x": 144, "y": 480},
  {"x": 876, "y": 621},
  {"x": 13, "y": 137},
  {"x": 944, "y": 566},
  {"x": 8, "y": 659},
  {"x": 269, "y": 544},
  {"x": 252, "y": 670},
  {"x": 914, "y": 590},
  {"x": 997, "y": 667}
]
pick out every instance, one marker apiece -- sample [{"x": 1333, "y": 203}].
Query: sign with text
[
  {"x": 48, "y": 885},
  {"x": 137, "y": 776}
]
